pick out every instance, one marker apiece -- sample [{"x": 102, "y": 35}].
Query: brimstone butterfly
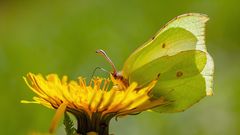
[{"x": 177, "y": 54}]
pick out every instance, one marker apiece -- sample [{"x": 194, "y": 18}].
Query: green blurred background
[{"x": 62, "y": 36}]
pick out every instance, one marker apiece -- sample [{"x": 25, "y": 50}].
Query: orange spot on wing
[{"x": 179, "y": 73}]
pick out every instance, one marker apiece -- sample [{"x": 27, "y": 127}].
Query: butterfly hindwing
[{"x": 178, "y": 78}]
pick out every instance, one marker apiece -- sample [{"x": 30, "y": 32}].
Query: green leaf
[{"x": 69, "y": 125}]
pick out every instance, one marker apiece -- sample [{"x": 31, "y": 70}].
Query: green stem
[{"x": 97, "y": 123}]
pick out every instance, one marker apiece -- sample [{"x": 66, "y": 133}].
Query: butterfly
[{"x": 177, "y": 55}]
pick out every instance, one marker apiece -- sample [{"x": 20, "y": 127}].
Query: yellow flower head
[{"x": 101, "y": 98}]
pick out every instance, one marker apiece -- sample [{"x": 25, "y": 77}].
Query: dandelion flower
[{"x": 93, "y": 104}]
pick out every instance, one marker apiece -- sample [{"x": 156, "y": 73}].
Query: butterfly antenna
[
  {"x": 94, "y": 71},
  {"x": 101, "y": 52}
]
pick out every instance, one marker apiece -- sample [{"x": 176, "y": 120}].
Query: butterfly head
[{"x": 115, "y": 74}]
